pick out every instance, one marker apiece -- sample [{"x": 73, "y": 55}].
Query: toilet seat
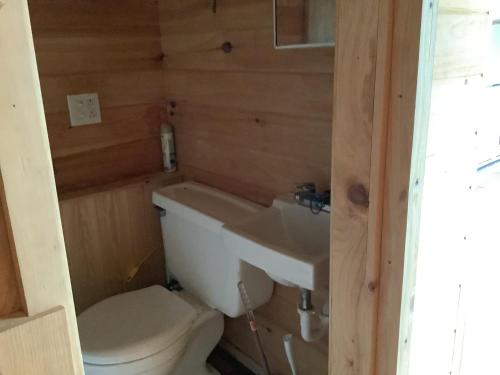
[{"x": 136, "y": 325}]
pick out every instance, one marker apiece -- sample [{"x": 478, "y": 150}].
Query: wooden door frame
[
  {"x": 380, "y": 45},
  {"x": 28, "y": 177}
]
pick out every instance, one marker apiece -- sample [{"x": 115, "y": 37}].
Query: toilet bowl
[
  {"x": 157, "y": 332},
  {"x": 151, "y": 331}
]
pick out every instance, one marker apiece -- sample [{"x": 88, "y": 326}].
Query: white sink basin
[{"x": 287, "y": 241}]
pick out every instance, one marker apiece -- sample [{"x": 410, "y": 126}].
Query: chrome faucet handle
[{"x": 307, "y": 186}]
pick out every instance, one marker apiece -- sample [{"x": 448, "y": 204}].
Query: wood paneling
[
  {"x": 112, "y": 48},
  {"x": 254, "y": 122},
  {"x": 37, "y": 345},
  {"x": 110, "y": 231},
  {"x": 462, "y": 50},
  {"x": 29, "y": 185},
  {"x": 256, "y": 116}
]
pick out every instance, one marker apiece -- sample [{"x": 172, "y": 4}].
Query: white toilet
[{"x": 157, "y": 332}]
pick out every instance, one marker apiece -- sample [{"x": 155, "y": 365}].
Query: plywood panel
[
  {"x": 253, "y": 122},
  {"x": 461, "y": 48},
  {"x": 110, "y": 232},
  {"x": 36, "y": 345},
  {"x": 114, "y": 49}
]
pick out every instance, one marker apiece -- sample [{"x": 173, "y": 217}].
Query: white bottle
[{"x": 168, "y": 148}]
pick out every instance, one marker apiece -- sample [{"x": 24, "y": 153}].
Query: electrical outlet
[{"x": 84, "y": 109}]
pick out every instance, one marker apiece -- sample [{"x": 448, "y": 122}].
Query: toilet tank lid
[
  {"x": 191, "y": 197},
  {"x": 134, "y": 325}
]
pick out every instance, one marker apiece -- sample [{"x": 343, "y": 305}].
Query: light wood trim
[
  {"x": 354, "y": 267},
  {"x": 409, "y": 106},
  {"x": 374, "y": 107},
  {"x": 11, "y": 293},
  {"x": 37, "y": 345},
  {"x": 28, "y": 178}
]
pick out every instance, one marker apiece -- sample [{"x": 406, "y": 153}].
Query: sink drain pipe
[{"x": 313, "y": 325}]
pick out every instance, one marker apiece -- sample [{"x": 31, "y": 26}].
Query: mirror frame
[{"x": 290, "y": 46}]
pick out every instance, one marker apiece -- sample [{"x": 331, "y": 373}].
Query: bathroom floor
[{"x": 226, "y": 364}]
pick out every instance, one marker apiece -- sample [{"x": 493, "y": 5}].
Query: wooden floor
[{"x": 226, "y": 364}]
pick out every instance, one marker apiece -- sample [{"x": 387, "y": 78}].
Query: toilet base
[{"x": 206, "y": 334}]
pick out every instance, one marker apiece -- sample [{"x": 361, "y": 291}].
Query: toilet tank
[{"x": 195, "y": 253}]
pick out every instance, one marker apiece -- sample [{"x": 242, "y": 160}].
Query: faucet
[{"x": 308, "y": 197}]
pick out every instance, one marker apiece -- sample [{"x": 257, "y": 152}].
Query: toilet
[{"x": 154, "y": 331}]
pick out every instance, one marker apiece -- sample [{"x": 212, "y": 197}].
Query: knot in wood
[{"x": 358, "y": 195}]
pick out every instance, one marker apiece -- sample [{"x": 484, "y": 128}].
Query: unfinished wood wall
[
  {"x": 111, "y": 48},
  {"x": 110, "y": 231},
  {"x": 254, "y": 121}
]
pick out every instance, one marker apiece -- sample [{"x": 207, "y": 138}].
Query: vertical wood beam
[
  {"x": 377, "y": 56},
  {"x": 354, "y": 267},
  {"x": 26, "y": 169},
  {"x": 413, "y": 40}
]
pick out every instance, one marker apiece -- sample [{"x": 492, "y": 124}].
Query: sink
[{"x": 289, "y": 242}]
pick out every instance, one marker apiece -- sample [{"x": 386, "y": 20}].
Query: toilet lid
[{"x": 133, "y": 326}]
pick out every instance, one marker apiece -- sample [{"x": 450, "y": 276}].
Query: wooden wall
[
  {"x": 108, "y": 232},
  {"x": 112, "y": 48},
  {"x": 255, "y": 122}
]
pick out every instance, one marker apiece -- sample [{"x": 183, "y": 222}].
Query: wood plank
[
  {"x": 291, "y": 94},
  {"x": 461, "y": 49},
  {"x": 108, "y": 233},
  {"x": 264, "y": 169},
  {"x": 253, "y": 50},
  {"x": 36, "y": 345},
  {"x": 109, "y": 164},
  {"x": 354, "y": 266},
  {"x": 73, "y": 54},
  {"x": 408, "y": 109},
  {"x": 115, "y": 89},
  {"x": 189, "y": 16},
  {"x": 120, "y": 125},
  {"x": 265, "y": 161},
  {"x": 29, "y": 185},
  {"x": 84, "y": 17},
  {"x": 10, "y": 290},
  {"x": 161, "y": 178}
]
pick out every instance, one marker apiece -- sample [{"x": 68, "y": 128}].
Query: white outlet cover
[{"x": 84, "y": 109}]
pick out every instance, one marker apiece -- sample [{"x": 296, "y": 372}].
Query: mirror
[{"x": 304, "y": 23}]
